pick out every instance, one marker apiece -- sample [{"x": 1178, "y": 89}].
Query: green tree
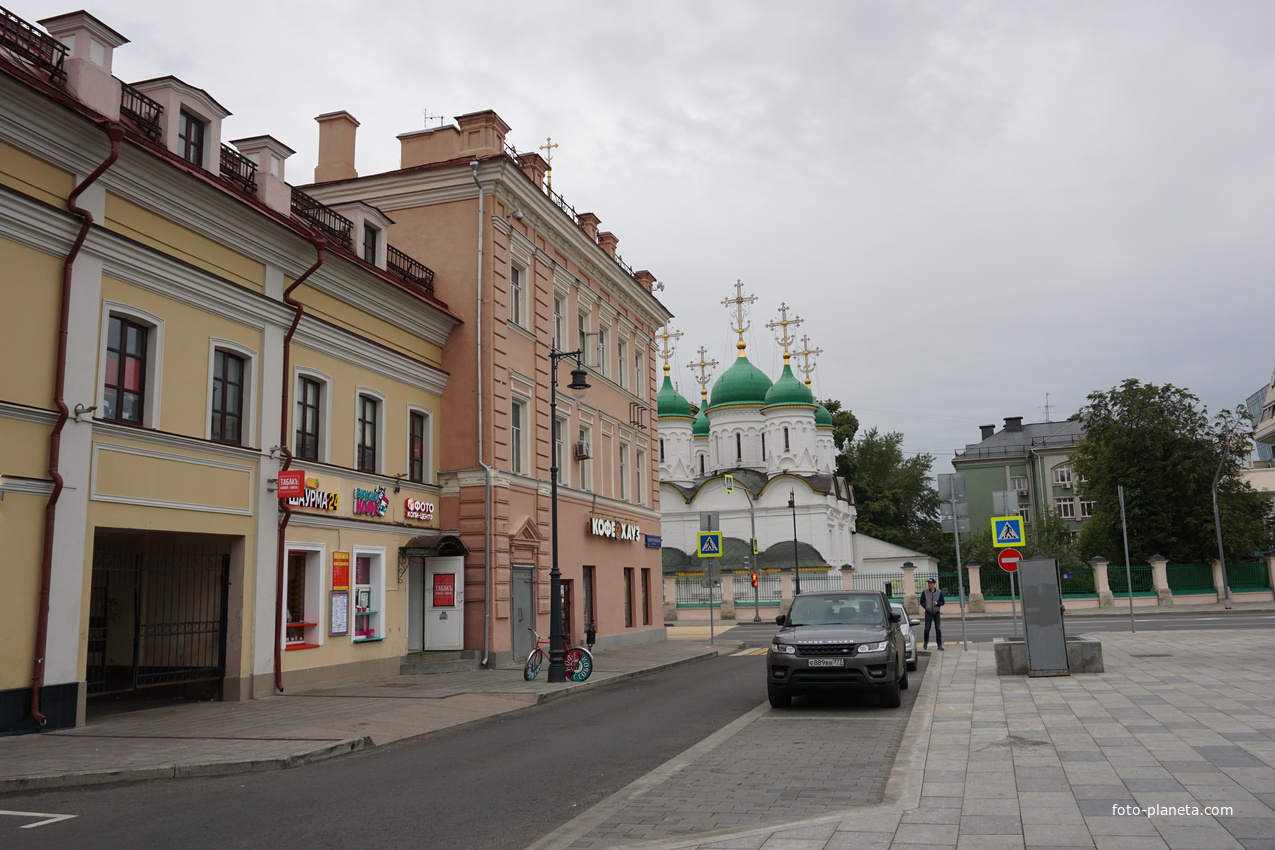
[
  {"x": 893, "y": 493},
  {"x": 1160, "y": 445},
  {"x": 844, "y": 424}
]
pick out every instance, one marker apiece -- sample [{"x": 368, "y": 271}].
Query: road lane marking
[
  {"x": 48, "y": 818},
  {"x": 757, "y": 651}
]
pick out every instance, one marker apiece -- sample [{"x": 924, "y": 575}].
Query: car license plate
[{"x": 827, "y": 662}]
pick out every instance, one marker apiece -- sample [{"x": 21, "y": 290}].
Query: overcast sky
[{"x": 973, "y": 206}]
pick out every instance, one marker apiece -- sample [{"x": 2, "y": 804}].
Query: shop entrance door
[{"x": 444, "y": 603}]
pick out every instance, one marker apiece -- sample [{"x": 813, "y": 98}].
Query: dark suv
[{"x": 842, "y": 640}]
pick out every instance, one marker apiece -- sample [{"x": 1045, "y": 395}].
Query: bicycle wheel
[
  {"x": 534, "y": 660},
  {"x": 582, "y": 666}
]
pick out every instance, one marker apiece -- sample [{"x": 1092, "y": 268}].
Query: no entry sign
[{"x": 1008, "y": 560}]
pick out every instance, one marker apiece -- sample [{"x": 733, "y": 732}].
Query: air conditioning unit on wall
[{"x": 584, "y": 451}]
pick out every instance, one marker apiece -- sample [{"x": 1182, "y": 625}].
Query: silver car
[{"x": 909, "y": 636}]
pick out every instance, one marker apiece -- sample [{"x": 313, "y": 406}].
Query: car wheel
[
  {"x": 892, "y": 697},
  {"x": 778, "y": 698},
  {"x": 903, "y": 683},
  {"x": 911, "y": 665}
]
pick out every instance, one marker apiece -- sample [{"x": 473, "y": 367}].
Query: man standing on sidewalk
[{"x": 932, "y": 602}]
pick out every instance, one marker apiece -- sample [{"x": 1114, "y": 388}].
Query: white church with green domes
[{"x": 756, "y": 458}]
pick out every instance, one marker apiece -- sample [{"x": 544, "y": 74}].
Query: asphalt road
[
  {"x": 984, "y": 630},
  {"x": 498, "y": 784}
]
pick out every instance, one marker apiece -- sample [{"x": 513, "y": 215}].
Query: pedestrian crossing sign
[
  {"x": 1007, "y": 531},
  {"x": 710, "y": 544}
]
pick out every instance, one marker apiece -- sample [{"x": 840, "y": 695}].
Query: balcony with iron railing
[
  {"x": 409, "y": 270},
  {"x": 142, "y": 111},
  {"x": 39, "y": 48},
  {"x": 327, "y": 220},
  {"x": 238, "y": 169}
]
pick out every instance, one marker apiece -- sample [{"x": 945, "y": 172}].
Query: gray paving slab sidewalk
[
  {"x": 210, "y": 738},
  {"x": 1173, "y": 748}
]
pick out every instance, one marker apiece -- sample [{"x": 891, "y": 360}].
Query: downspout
[
  {"x": 284, "y": 507},
  {"x": 478, "y": 356},
  {"x": 115, "y": 133}
]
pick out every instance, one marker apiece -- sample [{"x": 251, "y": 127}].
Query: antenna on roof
[
  {"x": 428, "y": 118},
  {"x": 1047, "y": 408}
]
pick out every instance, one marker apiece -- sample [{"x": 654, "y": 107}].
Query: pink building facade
[{"x": 527, "y": 274}]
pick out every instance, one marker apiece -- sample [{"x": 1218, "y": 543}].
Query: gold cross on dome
[
  {"x": 703, "y": 378},
  {"x": 806, "y": 354},
  {"x": 785, "y": 338},
  {"x": 548, "y": 147},
  {"x": 741, "y": 322},
  {"x": 666, "y": 349}
]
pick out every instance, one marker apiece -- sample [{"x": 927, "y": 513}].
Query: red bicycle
[{"x": 577, "y": 661}]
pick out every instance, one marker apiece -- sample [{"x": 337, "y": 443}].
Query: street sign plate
[
  {"x": 291, "y": 484},
  {"x": 710, "y": 544},
  {"x": 1008, "y": 560},
  {"x": 1007, "y": 531}
]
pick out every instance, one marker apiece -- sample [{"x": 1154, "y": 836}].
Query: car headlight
[
  {"x": 872, "y": 647},
  {"x": 783, "y": 648}
]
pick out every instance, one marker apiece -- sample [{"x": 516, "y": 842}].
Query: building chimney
[
  {"x": 1013, "y": 423},
  {"x": 609, "y": 241},
  {"x": 534, "y": 166},
  {"x": 590, "y": 223},
  {"x": 269, "y": 154},
  {"x": 986, "y": 431},
  {"x": 336, "y": 147},
  {"x": 90, "y": 52},
  {"x": 645, "y": 278},
  {"x": 482, "y": 134}
]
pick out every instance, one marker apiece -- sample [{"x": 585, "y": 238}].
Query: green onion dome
[
  {"x": 743, "y": 383},
  {"x": 788, "y": 391},
  {"x": 823, "y": 419},
  {"x": 701, "y": 427},
  {"x": 669, "y": 402}
]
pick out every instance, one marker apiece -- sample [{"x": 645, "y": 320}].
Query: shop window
[
  {"x": 368, "y": 601},
  {"x": 628, "y": 597},
  {"x": 646, "y": 597},
  {"x": 303, "y": 576}
]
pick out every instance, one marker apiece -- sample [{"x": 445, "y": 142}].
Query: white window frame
[
  {"x": 1062, "y": 475},
  {"x": 586, "y": 465},
  {"x": 325, "y": 409},
  {"x": 427, "y": 456},
  {"x": 584, "y": 318},
  {"x": 639, "y": 476},
  {"x": 381, "y": 409},
  {"x": 247, "y": 419},
  {"x": 622, "y": 472},
  {"x": 622, "y": 359},
  {"x": 559, "y": 321},
  {"x": 1018, "y": 483},
  {"x": 602, "y": 350},
  {"x": 154, "y": 378},
  {"x": 1086, "y": 508},
  {"x": 1025, "y": 512},
  {"x": 376, "y": 584},
  {"x": 518, "y": 294},
  {"x": 562, "y": 449},
  {"x": 315, "y": 580},
  {"x": 639, "y": 385},
  {"x": 1065, "y": 508},
  {"x": 519, "y": 428}
]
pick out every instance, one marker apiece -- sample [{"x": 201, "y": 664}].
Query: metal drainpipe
[
  {"x": 284, "y": 507},
  {"x": 478, "y": 355},
  {"x": 115, "y": 133}
]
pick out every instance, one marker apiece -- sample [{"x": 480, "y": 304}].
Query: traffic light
[{"x": 754, "y": 579}]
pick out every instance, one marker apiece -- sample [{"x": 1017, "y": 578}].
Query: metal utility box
[{"x": 1042, "y": 618}]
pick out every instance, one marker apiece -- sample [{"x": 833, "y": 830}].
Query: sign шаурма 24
[{"x": 614, "y": 528}]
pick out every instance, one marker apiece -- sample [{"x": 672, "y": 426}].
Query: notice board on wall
[
  {"x": 444, "y": 590},
  {"x": 339, "y": 622}
]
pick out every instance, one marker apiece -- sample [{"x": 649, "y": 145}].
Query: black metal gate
[{"x": 156, "y": 618}]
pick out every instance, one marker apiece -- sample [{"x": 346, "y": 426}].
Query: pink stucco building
[{"x": 526, "y": 273}]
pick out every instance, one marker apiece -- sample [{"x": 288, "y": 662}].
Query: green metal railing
[
  {"x": 1185, "y": 579},
  {"x": 1248, "y": 575},
  {"x": 1140, "y": 574},
  {"x": 1078, "y": 582}
]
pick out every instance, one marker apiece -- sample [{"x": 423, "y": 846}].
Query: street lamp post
[
  {"x": 1217, "y": 524},
  {"x": 796, "y": 572},
  {"x": 557, "y": 652}
]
